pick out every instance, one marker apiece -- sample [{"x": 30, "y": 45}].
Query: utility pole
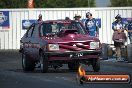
[{"x": 88, "y": 3}]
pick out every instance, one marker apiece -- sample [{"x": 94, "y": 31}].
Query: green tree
[
  {"x": 64, "y": 3},
  {"x": 47, "y": 3},
  {"x": 121, "y": 3},
  {"x": 13, "y": 3}
]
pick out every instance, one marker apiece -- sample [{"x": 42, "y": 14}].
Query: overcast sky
[{"x": 102, "y": 3}]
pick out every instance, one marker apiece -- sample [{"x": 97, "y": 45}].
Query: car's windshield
[{"x": 56, "y": 27}]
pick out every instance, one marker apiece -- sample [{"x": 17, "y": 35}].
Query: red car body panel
[{"x": 71, "y": 45}]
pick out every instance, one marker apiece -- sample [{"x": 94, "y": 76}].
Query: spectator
[
  {"x": 67, "y": 18},
  {"x": 129, "y": 30},
  {"x": 91, "y": 25},
  {"x": 77, "y": 17},
  {"x": 40, "y": 18},
  {"x": 119, "y": 37}
]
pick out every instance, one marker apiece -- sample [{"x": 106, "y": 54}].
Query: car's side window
[
  {"x": 35, "y": 32},
  {"x": 30, "y": 31},
  {"x": 41, "y": 30}
]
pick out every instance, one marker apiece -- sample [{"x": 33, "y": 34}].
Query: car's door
[
  {"x": 27, "y": 43},
  {"x": 35, "y": 42}
]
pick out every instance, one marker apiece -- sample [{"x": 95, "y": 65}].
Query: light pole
[{"x": 88, "y": 3}]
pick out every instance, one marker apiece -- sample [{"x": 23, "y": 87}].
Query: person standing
[
  {"x": 77, "y": 17},
  {"x": 39, "y": 18},
  {"x": 67, "y": 18},
  {"x": 129, "y": 30},
  {"x": 119, "y": 37},
  {"x": 91, "y": 25}
]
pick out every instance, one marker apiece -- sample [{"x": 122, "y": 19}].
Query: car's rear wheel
[
  {"x": 43, "y": 62},
  {"x": 27, "y": 63},
  {"x": 73, "y": 66},
  {"x": 96, "y": 64}
]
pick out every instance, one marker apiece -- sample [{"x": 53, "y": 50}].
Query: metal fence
[{"x": 10, "y": 37}]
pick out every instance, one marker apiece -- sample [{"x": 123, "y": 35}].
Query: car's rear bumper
[{"x": 72, "y": 55}]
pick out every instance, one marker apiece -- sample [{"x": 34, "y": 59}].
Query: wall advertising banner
[
  {"x": 126, "y": 20},
  {"x": 27, "y": 23},
  {"x": 4, "y": 19}
]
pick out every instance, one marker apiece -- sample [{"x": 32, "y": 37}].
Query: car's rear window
[{"x": 56, "y": 27}]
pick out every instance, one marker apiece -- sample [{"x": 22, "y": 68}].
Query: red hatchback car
[{"x": 56, "y": 42}]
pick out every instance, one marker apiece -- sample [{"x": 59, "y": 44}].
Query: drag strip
[{"x": 12, "y": 75}]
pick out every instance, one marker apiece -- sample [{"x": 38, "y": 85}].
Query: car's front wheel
[
  {"x": 43, "y": 62},
  {"x": 27, "y": 63},
  {"x": 96, "y": 64}
]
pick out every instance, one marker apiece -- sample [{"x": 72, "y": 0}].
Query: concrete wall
[{"x": 10, "y": 37}]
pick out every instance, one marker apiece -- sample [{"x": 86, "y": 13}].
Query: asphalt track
[{"x": 12, "y": 75}]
